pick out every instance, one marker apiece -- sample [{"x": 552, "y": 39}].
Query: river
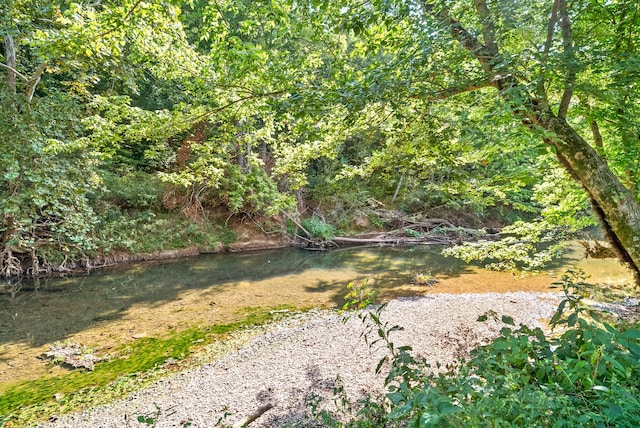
[{"x": 111, "y": 307}]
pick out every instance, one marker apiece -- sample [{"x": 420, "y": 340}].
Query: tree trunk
[
  {"x": 263, "y": 152},
  {"x": 10, "y": 50},
  {"x": 615, "y": 205}
]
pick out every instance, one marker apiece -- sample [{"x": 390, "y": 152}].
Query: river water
[{"x": 114, "y": 306}]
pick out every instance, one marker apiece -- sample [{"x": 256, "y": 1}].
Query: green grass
[{"x": 35, "y": 399}]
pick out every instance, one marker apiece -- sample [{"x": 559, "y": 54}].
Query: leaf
[
  {"x": 600, "y": 388},
  {"x": 482, "y": 318},
  {"x": 635, "y": 350},
  {"x": 508, "y": 320},
  {"x": 631, "y": 334},
  {"x": 380, "y": 364},
  {"x": 556, "y": 317},
  {"x": 613, "y": 412},
  {"x": 572, "y": 320}
]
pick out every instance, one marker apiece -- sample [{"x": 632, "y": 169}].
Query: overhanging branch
[
  {"x": 483, "y": 54},
  {"x": 237, "y": 101},
  {"x": 455, "y": 90},
  {"x": 20, "y": 75}
]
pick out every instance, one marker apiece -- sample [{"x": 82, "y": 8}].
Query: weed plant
[{"x": 318, "y": 228}]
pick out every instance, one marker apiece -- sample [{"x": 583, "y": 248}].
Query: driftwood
[
  {"x": 410, "y": 231},
  {"x": 390, "y": 240},
  {"x": 252, "y": 417}
]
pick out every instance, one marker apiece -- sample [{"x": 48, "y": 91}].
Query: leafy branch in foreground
[{"x": 523, "y": 245}]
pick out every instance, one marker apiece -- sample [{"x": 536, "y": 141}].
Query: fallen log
[{"x": 390, "y": 240}]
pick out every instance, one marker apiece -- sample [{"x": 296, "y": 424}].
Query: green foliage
[
  {"x": 352, "y": 100},
  {"x": 318, "y": 228},
  {"x": 132, "y": 190},
  {"x": 145, "y": 232},
  {"x": 49, "y": 172},
  {"x": 522, "y": 245},
  {"x": 585, "y": 376}
]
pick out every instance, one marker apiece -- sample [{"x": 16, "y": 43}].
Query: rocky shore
[{"x": 302, "y": 356}]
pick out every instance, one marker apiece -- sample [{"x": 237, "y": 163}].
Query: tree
[
  {"x": 55, "y": 55},
  {"x": 614, "y": 204},
  {"x": 557, "y": 68}
]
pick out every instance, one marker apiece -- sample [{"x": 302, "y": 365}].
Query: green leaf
[
  {"x": 508, "y": 320},
  {"x": 631, "y": 334},
  {"x": 505, "y": 331}
]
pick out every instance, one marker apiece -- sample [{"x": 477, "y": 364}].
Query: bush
[
  {"x": 145, "y": 232},
  {"x": 133, "y": 190},
  {"x": 588, "y": 376},
  {"x": 318, "y": 228}
]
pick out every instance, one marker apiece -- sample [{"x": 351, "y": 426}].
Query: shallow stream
[{"x": 114, "y": 306}]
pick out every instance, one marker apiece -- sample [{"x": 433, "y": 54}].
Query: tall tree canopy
[{"x": 240, "y": 104}]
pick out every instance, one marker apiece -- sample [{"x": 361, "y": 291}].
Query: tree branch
[
  {"x": 456, "y": 90},
  {"x": 597, "y": 136},
  {"x": 239, "y": 100},
  {"x": 488, "y": 27},
  {"x": 464, "y": 37},
  {"x": 550, "y": 31},
  {"x": 252, "y": 417},
  {"x": 33, "y": 82},
  {"x": 553, "y": 20},
  {"x": 20, "y": 75},
  {"x": 567, "y": 43}
]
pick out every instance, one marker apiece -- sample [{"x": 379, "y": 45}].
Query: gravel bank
[{"x": 302, "y": 356}]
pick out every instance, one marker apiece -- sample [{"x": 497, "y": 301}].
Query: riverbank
[{"x": 302, "y": 357}]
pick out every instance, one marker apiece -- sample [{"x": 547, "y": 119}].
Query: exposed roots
[{"x": 10, "y": 265}]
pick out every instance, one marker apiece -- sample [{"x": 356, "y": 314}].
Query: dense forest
[{"x": 140, "y": 126}]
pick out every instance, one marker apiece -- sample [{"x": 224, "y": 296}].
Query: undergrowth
[
  {"x": 147, "y": 232},
  {"x": 587, "y": 374}
]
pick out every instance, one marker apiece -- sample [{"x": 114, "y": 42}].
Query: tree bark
[
  {"x": 615, "y": 205},
  {"x": 33, "y": 82},
  {"x": 10, "y": 52}
]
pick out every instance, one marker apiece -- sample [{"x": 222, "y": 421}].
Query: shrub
[
  {"x": 318, "y": 228},
  {"x": 588, "y": 376}
]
